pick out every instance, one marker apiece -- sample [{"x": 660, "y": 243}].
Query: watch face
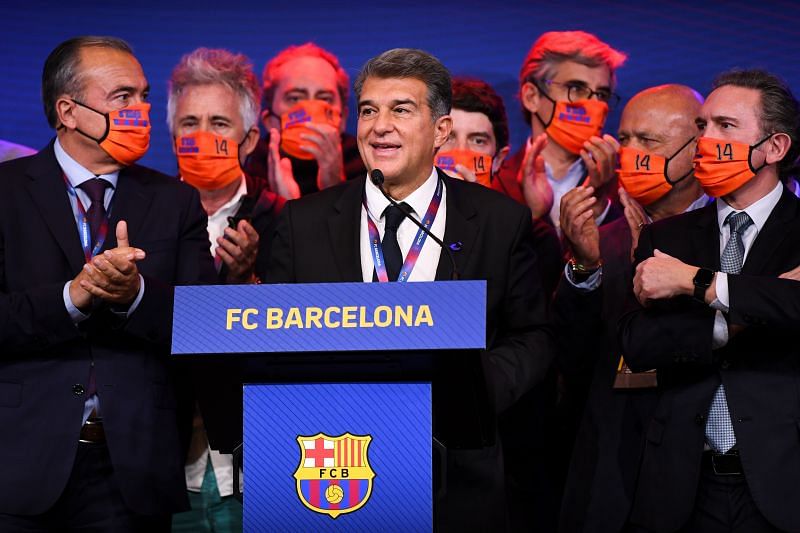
[{"x": 704, "y": 277}]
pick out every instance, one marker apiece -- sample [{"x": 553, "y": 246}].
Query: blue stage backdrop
[{"x": 683, "y": 41}]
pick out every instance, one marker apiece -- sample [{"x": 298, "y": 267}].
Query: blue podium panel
[
  {"x": 338, "y": 457},
  {"x": 329, "y": 317}
]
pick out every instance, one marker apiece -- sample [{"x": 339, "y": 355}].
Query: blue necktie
[{"x": 719, "y": 428}]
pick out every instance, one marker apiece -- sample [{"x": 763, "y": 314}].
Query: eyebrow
[
  {"x": 393, "y": 103},
  {"x": 581, "y": 82},
  {"x": 723, "y": 118},
  {"x": 297, "y": 90}
]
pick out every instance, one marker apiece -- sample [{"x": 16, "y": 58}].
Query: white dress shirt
[
  {"x": 759, "y": 212},
  {"x": 419, "y": 200},
  {"x": 77, "y": 174}
]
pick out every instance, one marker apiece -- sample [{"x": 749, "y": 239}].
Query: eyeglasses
[{"x": 577, "y": 92}]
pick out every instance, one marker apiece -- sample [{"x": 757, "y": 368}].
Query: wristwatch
[
  {"x": 581, "y": 273},
  {"x": 702, "y": 281}
]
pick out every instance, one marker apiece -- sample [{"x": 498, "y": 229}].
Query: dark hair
[
  {"x": 61, "y": 74},
  {"x": 780, "y": 111},
  {"x": 477, "y": 96},
  {"x": 411, "y": 63}
]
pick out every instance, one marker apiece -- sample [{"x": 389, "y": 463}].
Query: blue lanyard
[
  {"x": 84, "y": 229},
  {"x": 416, "y": 247}
]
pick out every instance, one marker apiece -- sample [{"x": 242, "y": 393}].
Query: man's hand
[
  {"x": 600, "y": 157},
  {"x": 635, "y": 215},
  {"x": 792, "y": 274},
  {"x": 279, "y": 170},
  {"x": 80, "y": 297},
  {"x": 238, "y": 249},
  {"x": 113, "y": 276},
  {"x": 325, "y": 144},
  {"x": 466, "y": 174},
  {"x": 533, "y": 178},
  {"x": 663, "y": 276},
  {"x": 579, "y": 226}
]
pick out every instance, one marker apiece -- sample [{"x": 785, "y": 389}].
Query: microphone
[{"x": 377, "y": 179}]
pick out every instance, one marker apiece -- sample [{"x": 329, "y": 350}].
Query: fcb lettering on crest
[{"x": 334, "y": 476}]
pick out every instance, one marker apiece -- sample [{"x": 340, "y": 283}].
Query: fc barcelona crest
[{"x": 334, "y": 476}]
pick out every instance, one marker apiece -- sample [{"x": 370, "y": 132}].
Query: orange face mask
[
  {"x": 574, "y": 123},
  {"x": 207, "y": 161},
  {"x": 127, "y": 135},
  {"x": 479, "y": 164},
  {"x": 721, "y": 166},
  {"x": 294, "y": 121},
  {"x": 645, "y": 176}
]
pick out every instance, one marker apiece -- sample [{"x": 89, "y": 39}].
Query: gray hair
[
  {"x": 207, "y": 66},
  {"x": 61, "y": 73},
  {"x": 411, "y": 63}
]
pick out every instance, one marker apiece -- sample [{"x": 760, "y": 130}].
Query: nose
[{"x": 383, "y": 123}]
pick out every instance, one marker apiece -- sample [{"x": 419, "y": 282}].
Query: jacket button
[
  {"x": 699, "y": 419},
  {"x": 77, "y": 389},
  {"x": 725, "y": 365}
]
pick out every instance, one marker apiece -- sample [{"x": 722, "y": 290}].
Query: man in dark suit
[
  {"x": 91, "y": 435},
  {"x": 404, "y": 100},
  {"x": 657, "y": 130},
  {"x": 717, "y": 317}
]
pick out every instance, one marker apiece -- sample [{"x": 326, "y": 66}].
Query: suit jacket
[
  {"x": 45, "y": 356},
  {"x": 317, "y": 240},
  {"x": 759, "y": 368},
  {"x": 605, "y": 460}
]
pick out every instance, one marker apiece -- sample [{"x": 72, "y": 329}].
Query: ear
[
  {"x": 499, "y": 157},
  {"x": 250, "y": 142},
  {"x": 530, "y": 96},
  {"x": 65, "y": 112},
  {"x": 443, "y": 126},
  {"x": 268, "y": 120},
  {"x": 777, "y": 147}
]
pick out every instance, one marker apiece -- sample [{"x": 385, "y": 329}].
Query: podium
[{"x": 340, "y": 387}]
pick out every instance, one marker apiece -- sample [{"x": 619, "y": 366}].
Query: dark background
[{"x": 684, "y": 42}]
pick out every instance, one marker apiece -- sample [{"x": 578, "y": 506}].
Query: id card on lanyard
[
  {"x": 82, "y": 220},
  {"x": 416, "y": 246}
]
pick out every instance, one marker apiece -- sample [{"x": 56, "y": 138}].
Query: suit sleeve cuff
[{"x": 125, "y": 313}]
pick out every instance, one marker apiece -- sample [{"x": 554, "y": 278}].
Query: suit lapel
[
  {"x": 49, "y": 194},
  {"x": 772, "y": 234},
  {"x": 705, "y": 238},
  {"x": 461, "y": 229},
  {"x": 344, "y": 228},
  {"x": 131, "y": 203}
]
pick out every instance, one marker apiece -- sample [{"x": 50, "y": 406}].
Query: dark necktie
[
  {"x": 95, "y": 189},
  {"x": 392, "y": 255},
  {"x": 719, "y": 427}
]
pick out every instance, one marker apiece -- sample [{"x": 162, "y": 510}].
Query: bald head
[{"x": 661, "y": 120}]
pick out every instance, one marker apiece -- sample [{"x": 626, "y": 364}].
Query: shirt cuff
[
  {"x": 75, "y": 314},
  {"x": 722, "y": 301},
  {"x": 603, "y": 215},
  {"x": 591, "y": 283},
  {"x": 720, "y": 337}
]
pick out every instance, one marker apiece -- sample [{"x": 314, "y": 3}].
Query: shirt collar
[
  {"x": 419, "y": 200},
  {"x": 77, "y": 173},
  {"x": 758, "y": 211},
  {"x": 232, "y": 205},
  {"x": 702, "y": 201}
]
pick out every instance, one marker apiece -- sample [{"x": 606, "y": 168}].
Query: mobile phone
[{"x": 233, "y": 222}]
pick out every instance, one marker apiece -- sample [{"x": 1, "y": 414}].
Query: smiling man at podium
[{"x": 355, "y": 232}]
